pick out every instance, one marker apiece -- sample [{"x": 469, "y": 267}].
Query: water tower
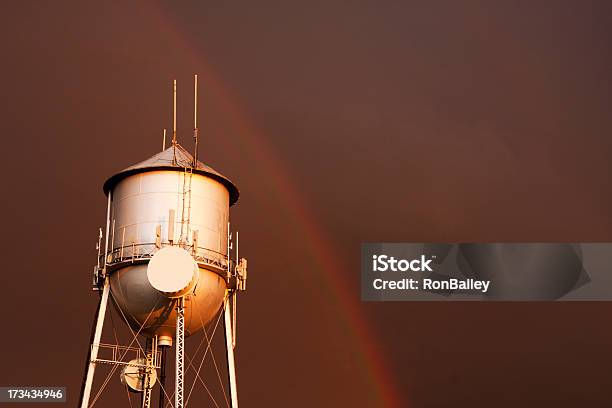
[{"x": 166, "y": 266}]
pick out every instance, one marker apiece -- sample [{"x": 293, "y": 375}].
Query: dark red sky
[{"x": 390, "y": 121}]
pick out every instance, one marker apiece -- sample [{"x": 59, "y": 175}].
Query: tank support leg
[
  {"x": 162, "y": 377},
  {"x": 229, "y": 347},
  {"x": 180, "y": 351},
  {"x": 93, "y": 352},
  {"x": 150, "y": 350}
]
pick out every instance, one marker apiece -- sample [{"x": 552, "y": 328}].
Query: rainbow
[{"x": 383, "y": 391}]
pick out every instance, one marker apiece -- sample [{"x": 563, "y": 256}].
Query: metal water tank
[{"x": 160, "y": 202}]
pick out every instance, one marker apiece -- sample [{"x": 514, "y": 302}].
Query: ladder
[{"x": 186, "y": 211}]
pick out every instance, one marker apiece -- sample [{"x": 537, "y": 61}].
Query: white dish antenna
[
  {"x": 173, "y": 272},
  {"x": 133, "y": 375}
]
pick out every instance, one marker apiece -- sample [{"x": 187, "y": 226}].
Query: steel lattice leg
[
  {"x": 180, "y": 352},
  {"x": 146, "y": 392},
  {"x": 162, "y": 377}
]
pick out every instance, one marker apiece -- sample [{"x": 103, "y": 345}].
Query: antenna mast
[
  {"x": 174, "y": 121},
  {"x": 195, "y": 120}
]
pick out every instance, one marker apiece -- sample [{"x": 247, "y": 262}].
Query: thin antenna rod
[
  {"x": 174, "y": 122},
  {"x": 174, "y": 112},
  {"x": 195, "y": 120},
  {"x": 164, "y": 141},
  {"x": 195, "y": 101}
]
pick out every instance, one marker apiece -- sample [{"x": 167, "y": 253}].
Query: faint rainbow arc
[{"x": 275, "y": 170}]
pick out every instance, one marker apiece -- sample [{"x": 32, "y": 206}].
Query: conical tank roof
[{"x": 173, "y": 158}]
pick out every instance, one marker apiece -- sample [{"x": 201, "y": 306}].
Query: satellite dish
[
  {"x": 173, "y": 272},
  {"x": 133, "y": 375}
]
